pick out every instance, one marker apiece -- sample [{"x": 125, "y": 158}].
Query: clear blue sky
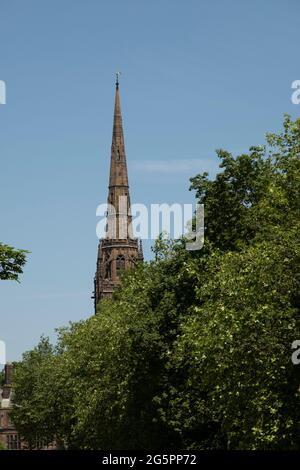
[{"x": 196, "y": 75}]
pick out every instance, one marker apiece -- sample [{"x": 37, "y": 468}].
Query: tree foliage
[
  {"x": 194, "y": 350},
  {"x": 11, "y": 262}
]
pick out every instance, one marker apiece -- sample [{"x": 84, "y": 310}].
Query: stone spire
[
  {"x": 141, "y": 253},
  {"x": 118, "y": 166},
  {"x": 118, "y": 195},
  {"x": 8, "y": 371},
  {"x": 118, "y": 250}
]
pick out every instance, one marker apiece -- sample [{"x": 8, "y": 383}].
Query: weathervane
[{"x": 117, "y": 79}]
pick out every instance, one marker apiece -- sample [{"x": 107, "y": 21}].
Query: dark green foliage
[
  {"x": 11, "y": 262},
  {"x": 194, "y": 350}
]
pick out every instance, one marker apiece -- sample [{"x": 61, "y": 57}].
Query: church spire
[
  {"x": 119, "y": 225},
  {"x": 118, "y": 166},
  {"x": 118, "y": 250}
]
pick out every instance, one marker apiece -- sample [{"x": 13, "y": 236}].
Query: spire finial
[{"x": 117, "y": 79}]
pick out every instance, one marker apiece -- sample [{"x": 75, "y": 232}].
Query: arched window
[{"x": 120, "y": 264}]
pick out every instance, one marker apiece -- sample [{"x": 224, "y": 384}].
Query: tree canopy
[
  {"x": 194, "y": 349},
  {"x": 12, "y": 262}
]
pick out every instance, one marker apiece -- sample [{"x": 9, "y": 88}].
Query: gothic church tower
[{"x": 119, "y": 250}]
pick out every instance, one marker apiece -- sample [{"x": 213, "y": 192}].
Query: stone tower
[{"x": 118, "y": 250}]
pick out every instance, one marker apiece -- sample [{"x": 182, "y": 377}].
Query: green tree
[
  {"x": 11, "y": 262},
  {"x": 240, "y": 385},
  {"x": 30, "y": 413},
  {"x": 194, "y": 348}
]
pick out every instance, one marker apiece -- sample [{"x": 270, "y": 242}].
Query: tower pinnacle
[{"x": 117, "y": 79}]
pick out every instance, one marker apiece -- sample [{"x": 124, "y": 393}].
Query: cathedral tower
[{"x": 118, "y": 250}]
